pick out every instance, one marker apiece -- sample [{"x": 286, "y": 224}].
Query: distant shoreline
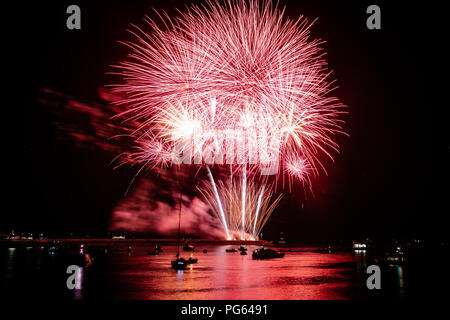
[{"x": 129, "y": 242}]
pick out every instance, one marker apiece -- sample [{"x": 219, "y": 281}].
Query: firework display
[
  {"x": 241, "y": 152},
  {"x": 236, "y": 88}
]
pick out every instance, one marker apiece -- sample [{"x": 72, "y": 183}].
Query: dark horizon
[{"x": 390, "y": 179}]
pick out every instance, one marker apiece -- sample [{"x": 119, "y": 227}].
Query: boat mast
[{"x": 179, "y": 225}]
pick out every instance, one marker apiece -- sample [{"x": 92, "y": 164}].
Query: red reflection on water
[{"x": 228, "y": 276}]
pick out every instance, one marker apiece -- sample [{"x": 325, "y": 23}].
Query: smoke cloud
[{"x": 141, "y": 213}]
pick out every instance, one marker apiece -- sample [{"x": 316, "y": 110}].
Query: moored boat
[
  {"x": 188, "y": 247},
  {"x": 191, "y": 260},
  {"x": 179, "y": 264},
  {"x": 264, "y": 253}
]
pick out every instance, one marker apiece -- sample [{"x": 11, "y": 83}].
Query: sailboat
[{"x": 180, "y": 263}]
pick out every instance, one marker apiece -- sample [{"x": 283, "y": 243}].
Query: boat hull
[
  {"x": 179, "y": 265},
  {"x": 263, "y": 254}
]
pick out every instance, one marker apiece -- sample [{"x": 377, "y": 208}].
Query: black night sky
[{"x": 390, "y": 180}]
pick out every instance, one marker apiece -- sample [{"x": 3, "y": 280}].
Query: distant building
[{"x": 363, "y": 245}]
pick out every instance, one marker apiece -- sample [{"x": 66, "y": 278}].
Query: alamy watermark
[
  {"x": 239, "y": 146},
  {"x": 74, "y": 280},
  {"x": 374, "y": 280}
]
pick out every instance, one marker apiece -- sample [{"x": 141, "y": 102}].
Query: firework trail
[
  {"x": 216, "y": 196},
  {"x": 237, "y": 84},
  {"x": 257, "y": 210}
]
